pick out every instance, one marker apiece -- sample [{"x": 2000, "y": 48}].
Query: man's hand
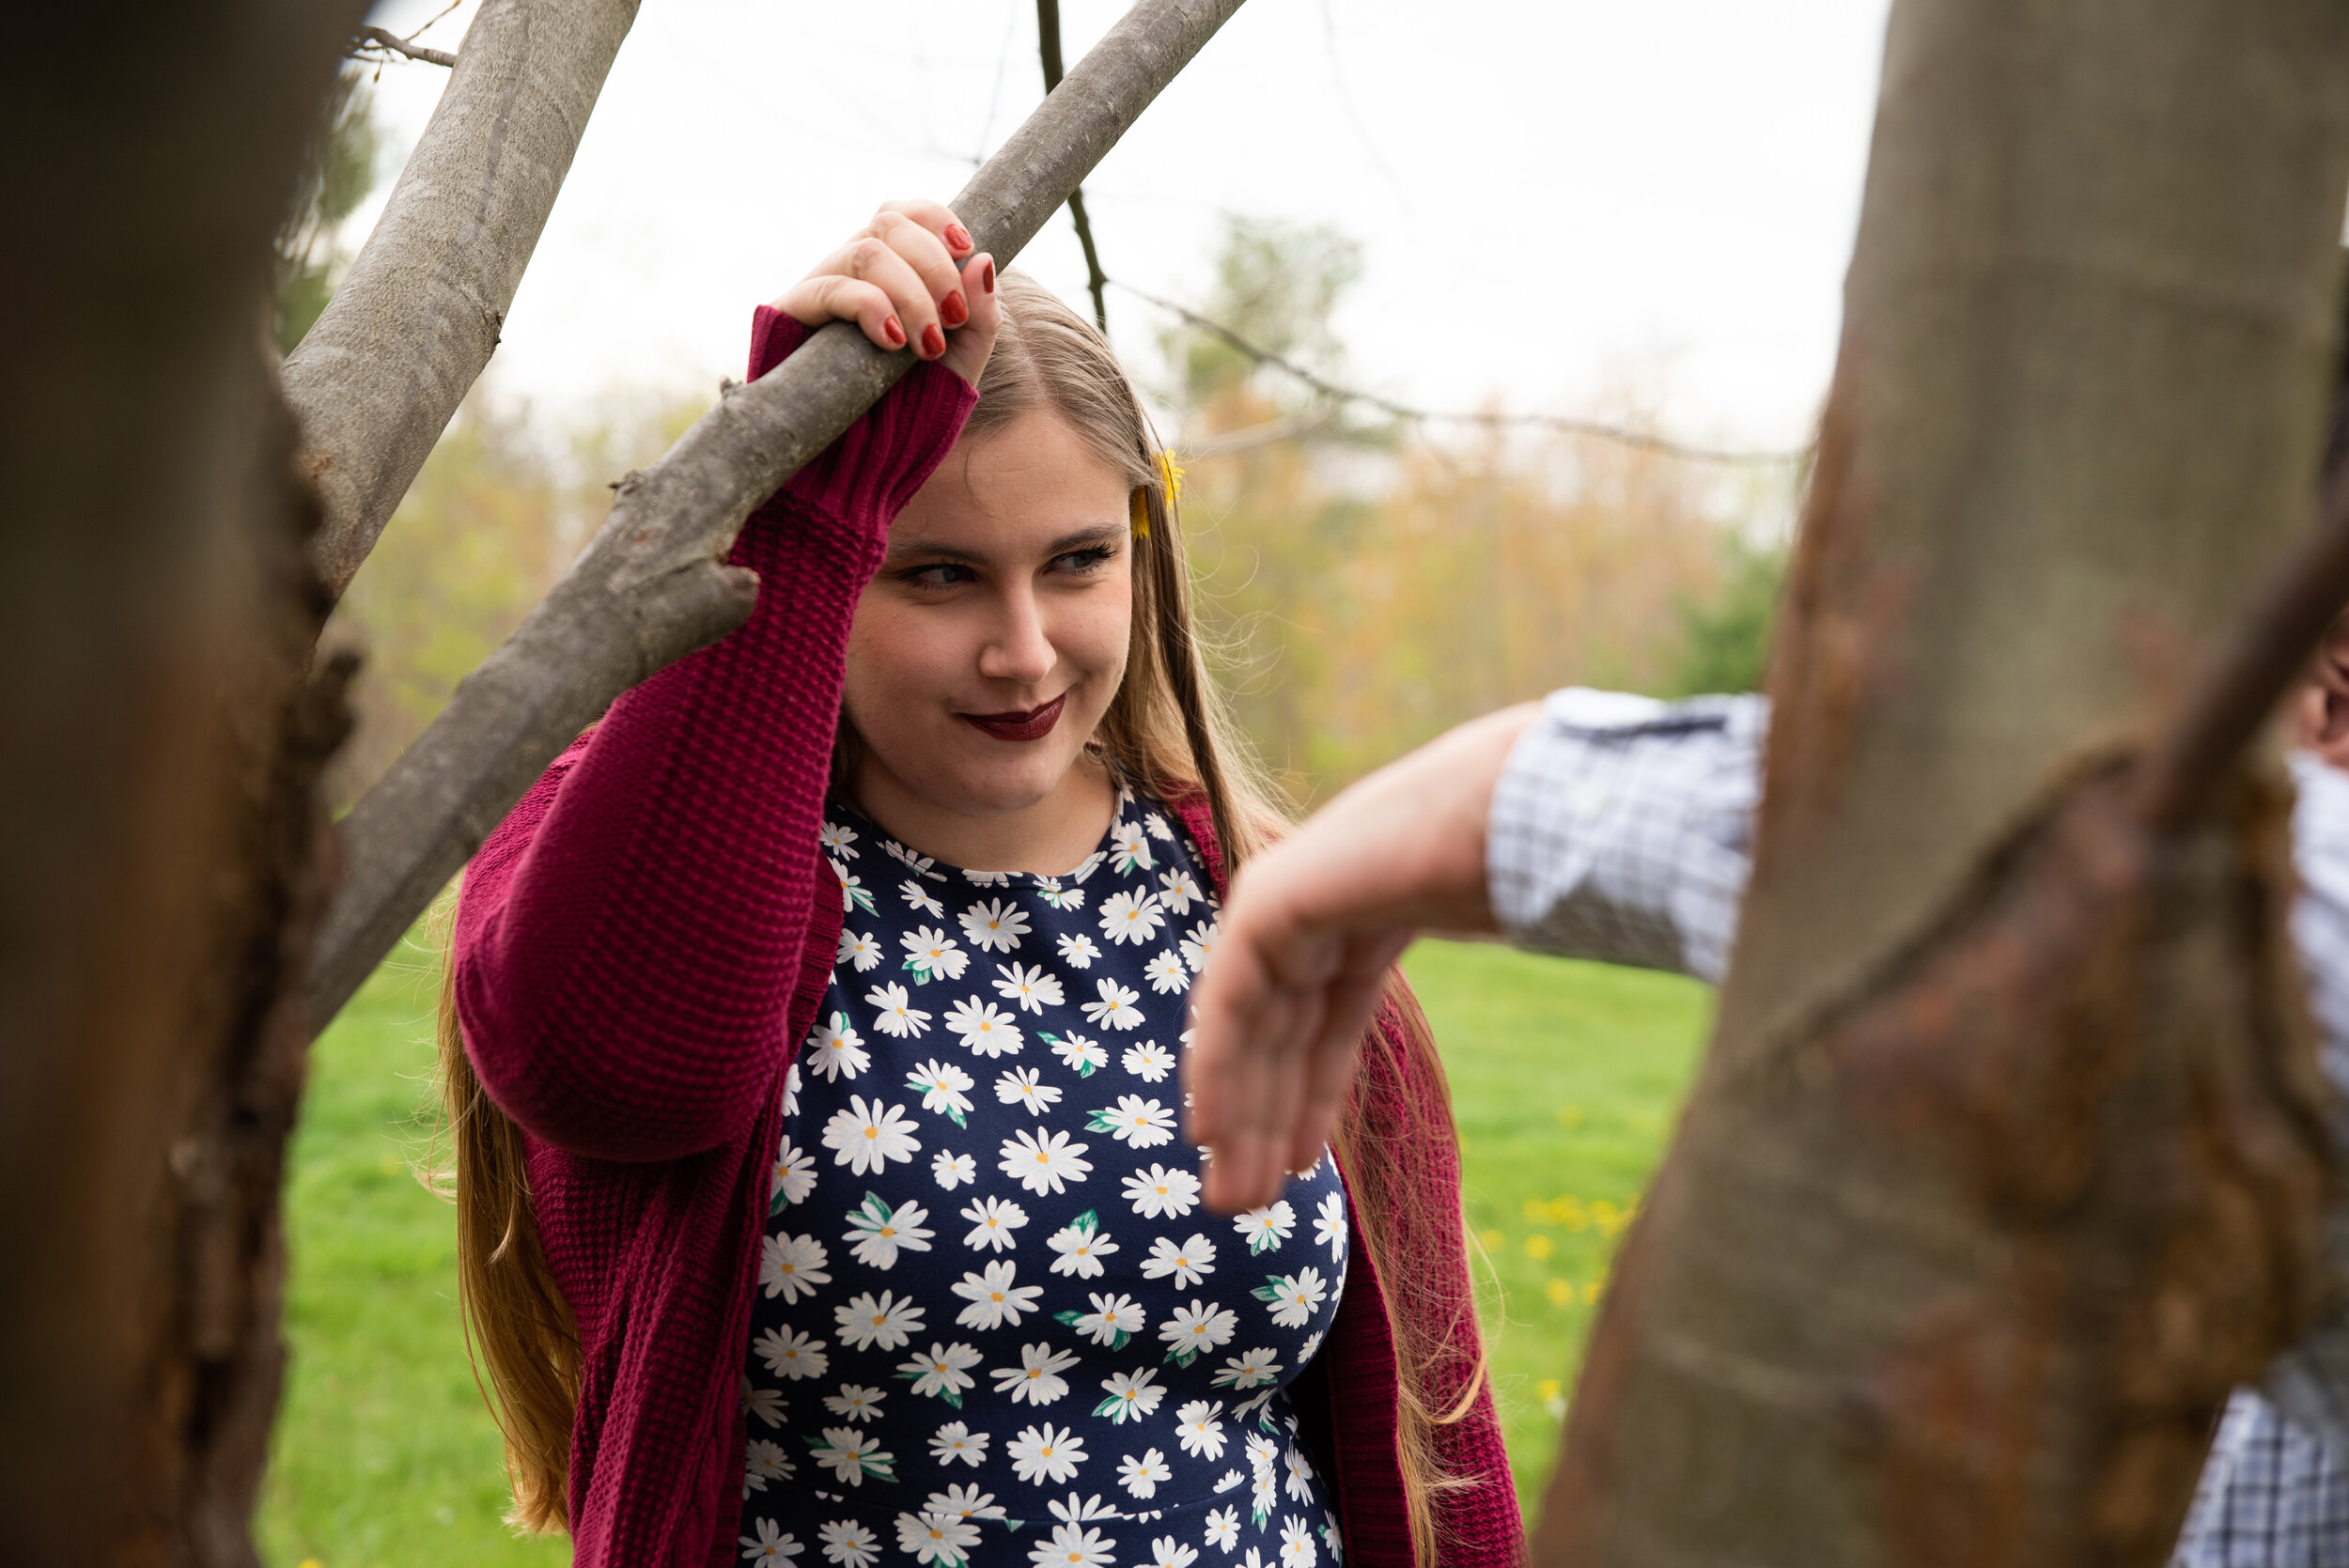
[{"x": 1308, "y": 934}]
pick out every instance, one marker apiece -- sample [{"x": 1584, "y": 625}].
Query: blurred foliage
[
  {"x": 1726, "y": 639},
  {"x": 339, "y": 172}
]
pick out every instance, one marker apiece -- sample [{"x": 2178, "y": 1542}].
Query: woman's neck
[{"x": 1049, "y": 837}]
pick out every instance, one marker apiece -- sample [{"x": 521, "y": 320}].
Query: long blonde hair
[{"x": 1167, "y": 733}]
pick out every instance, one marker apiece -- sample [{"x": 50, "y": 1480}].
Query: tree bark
[
  {"x": 377, "y": 378},
  {"x": 650, "y": 588},
  {"x": 157, "y": 820},
  {"x": 2007, "y": 1161}
]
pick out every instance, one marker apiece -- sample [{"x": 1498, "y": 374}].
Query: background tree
[{"x": 338, "y": 160}]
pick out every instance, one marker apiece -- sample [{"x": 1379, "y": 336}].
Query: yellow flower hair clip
[{"x": 1170, "y": 479}]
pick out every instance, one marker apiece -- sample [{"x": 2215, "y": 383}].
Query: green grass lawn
[{"x": 1565, "y": 1077}]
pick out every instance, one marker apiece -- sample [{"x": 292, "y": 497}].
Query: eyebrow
[{"x": 1099, "y": 534}]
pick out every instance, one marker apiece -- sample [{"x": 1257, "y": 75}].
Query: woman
[{"x": 817, "y": 1186}]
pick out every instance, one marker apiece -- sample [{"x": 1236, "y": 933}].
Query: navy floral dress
[{"x": 994, "y": 1323}]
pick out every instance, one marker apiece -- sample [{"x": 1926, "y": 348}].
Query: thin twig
[
  {"x": 1048, "y": 42},
  {"x": 1617, "y": 433},
  {"x": 2268, "y": 647},
  {"x": 385, "y": 39},
  {"x": 1272, "y": 430}
]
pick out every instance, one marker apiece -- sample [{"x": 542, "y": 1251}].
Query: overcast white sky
[{"x": 1554, "y": 198}]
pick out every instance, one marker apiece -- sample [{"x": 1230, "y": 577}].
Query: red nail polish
[
  {"x": 987, "y": 277},
  {"x": 895, "y": 334},
  {"x": 957, "y": 237},
  {"x": 933, "y": 341},
  {"x": 953, "y": 310}
]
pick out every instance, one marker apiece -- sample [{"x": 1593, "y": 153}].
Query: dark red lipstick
[{"x": 1034, "y": 724}]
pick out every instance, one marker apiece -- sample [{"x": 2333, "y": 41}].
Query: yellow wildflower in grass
[
  {"x": 1560, "y": 1293},
  {"x": 1536, "y": 1210},
  {"x": 1569, "y": 1116},
  {"x": 1538, "y": 1247},
  {"x": 1567, "y": 1211},
  {"x": 1591, "y": 1292},
  {"x": 1547, "y": 1388},
  {"x": 1492, "y": 1241}
]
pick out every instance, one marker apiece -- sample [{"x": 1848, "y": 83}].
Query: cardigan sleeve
[{"x": 627, "y": 941}]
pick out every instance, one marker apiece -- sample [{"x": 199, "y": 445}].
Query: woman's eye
[
  {"x": 945, "y": 575},
  {"x": 1085, "y": 560}
]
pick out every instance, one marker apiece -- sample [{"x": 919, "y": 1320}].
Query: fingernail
[
  {"x": 933, "y": 341},
  {"x": 957, "y": 237},
  {"x": 895, "y": 334},
  {"x": 987, "y": 277},
  {"x": 953, "y": 310}
]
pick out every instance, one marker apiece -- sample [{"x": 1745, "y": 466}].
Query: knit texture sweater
[{"x": 640, "y": 950}]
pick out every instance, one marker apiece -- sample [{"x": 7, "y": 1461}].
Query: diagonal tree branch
[
  {"x": 385, "y": 41},
  {"x": 651, "y": 587},
  {"x": 379, "y": 377}
]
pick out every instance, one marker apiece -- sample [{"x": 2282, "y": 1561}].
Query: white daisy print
[
  {"x": 986, "y": 1029},
  {"x": 1077, "y": 950},
  {"x": 1130, "y": 917},
  {"x": 1167, "y": 974},
  {"x": 943, "y": 1086},
  {"x": 917, "y": 897},
  {"x": 1229, "y": 1479},
  {"x": 876, "y": 1232},
  {"x": 1023, "y": 1086},
  {"x": 1037, "y": 1377},
  {"x": 886, "y": 1322},
  {"x": 1027, "y": 988},
  {"x": 789, "y": 1352},
  {"x": 1132, "y": 1395},
  {"x": 963, "y": 1502},
  {"x": 1223, "y": 1524},
  {"x": 835, "y": 1049},
  {"x": 1043, "y": 1165},
  {"x": 1116, "y": 1009},
  {"x": 791, "y": 1266},
  {"x": 1141, "y": 1477},
  {"x": 851, "y": 1456},
  {"x": 1156, "y": 826},
  {"x": 995, "y": 1302},
  {"x": 1137, "y": 1123},
  {"x": 1162, "y": 1192},
  {"x": 1187, "y": 1261},
  {"x": 1114, "y": 1321},
  {"x": 860, "y": 952},
  {"x": 1293, "y": 1296},
  {"x": 1149, "y": 1062},
  {"x": 766, "y": 1404},
  {"x": 1082, "y": 1055},
  {"x": 791, "y": 1091},
  {"x": 868, "y": 1136},
  {"x": 1329, "y": 1225},
  {"x": 1073, "y": 1547},
  {"x": 898, "y": 1014},
  {"x": 935, "y": 1538},
  {"x": 1250, "y": 1370},
  {"x": 1046, "y": 1454},
  {"x": 1297, "y": 1543},
  {"x": 856, "y": 1401},
  {"x": 992, "y": 1220},
  {"x": 954, "y": 1441},
  {"x": 849, "y": 1544},
  {"x": 762, "y": 1462},
  {"x": 1195, "y": 1329},
  {"x": 1299, "y": 1486},
  {"x": 941, "y": 1372},
  {"x": 1200, "y": 1429},
  {"x": 1266, "y": 1228},
  {"x": 931, "y": 955},
  {"x": 1199, "y": 946},
  {"x": 1074, "y": 1510},
  {"x": 1129, "y": 849},
  {"x": 1086, "y": 867},
  {"x": 1081, "y": 1245},
  {"x": 1177, "y": 890},
  {"x": 769, "y": 1546},
  {"x": 919, "y": 865},
  {"x": 994, "y": 926},
  {"x": 795, "y": 1173},
  {"x": 1049, "y": 890},
  {"x": 1167, "y": 1552},
  {"x": 854, "y": 894},
  {"x": 950, "y": 1171},
  {"x": 837, "y": 839},
  {"x": 987, "y": 878}
]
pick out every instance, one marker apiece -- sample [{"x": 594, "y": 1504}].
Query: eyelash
[{"x": 1084, "y": 560}]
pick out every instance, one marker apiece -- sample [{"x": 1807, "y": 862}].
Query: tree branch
[
  {"x": 383, "y": 38},
  {"x": 1096, "y": 282},
  {"x": 649, "y": 588},
  {"x": 406, "y": 335}
]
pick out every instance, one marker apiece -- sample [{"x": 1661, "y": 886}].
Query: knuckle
[{"x": 864, "y": 256}]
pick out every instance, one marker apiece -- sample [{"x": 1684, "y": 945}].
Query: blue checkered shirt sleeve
[{"x": 1621, "y": 830}]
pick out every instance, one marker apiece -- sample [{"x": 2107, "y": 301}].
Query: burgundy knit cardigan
[{"x": 641, "y": 948}]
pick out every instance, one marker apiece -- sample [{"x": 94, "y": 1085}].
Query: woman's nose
[{"x": 1020, "y": 649}]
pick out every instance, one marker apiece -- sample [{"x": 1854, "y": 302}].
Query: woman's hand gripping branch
[
  {"x": 910, "y": 276},
  {"x": 1308, "y": 934}
]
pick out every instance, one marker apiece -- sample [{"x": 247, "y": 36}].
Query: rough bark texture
[
  {"x": 157, "y": 823},
  {"x": 650, "y": 588},
  {"x": 2007, "y": 1161},
  {"x": 377, "y": 378}
]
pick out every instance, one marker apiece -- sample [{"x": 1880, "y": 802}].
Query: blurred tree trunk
[
  {"x": 2007, "y": 1159},
  {"x": 157, "y": 816}
]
